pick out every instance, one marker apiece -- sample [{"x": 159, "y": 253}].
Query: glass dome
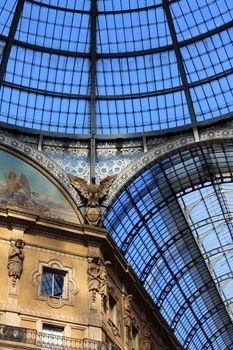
[
  {"x": 109, "y": 67},
  {"x": 105, "y": 69}
]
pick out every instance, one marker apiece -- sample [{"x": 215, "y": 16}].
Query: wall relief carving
[
  {"x": 127, "y": 311},
  {"x": 97, "y": 278},
  {"x": 15, "y": 260},
  {"x": 93, "y": 194}
]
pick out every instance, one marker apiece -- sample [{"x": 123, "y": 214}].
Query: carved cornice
[
  {"x": 11, "y": 218},
  {"x": 174, "y": 145}
]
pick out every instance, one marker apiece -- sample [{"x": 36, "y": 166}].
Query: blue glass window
[{"x": 52, "y": 283}]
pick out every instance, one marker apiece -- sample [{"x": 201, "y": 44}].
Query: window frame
[{"x": 70, "y": 286}]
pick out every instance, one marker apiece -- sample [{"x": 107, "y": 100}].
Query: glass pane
[
  {"x": 58, "y": 285},
  {"x": 52, "y": 283},
  {"x": 46, "y": 287}
]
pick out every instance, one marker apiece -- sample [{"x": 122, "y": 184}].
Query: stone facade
[
  {"x": 73, "y": 288},
  {"x": 101, "y": 299}
]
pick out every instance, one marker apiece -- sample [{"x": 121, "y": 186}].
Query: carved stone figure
[
  {"x": 97, "y": 277},
  {"x": 147, "y": 339},
  {"x": 93, "y": 275},
  {"x": 15, "y": 260},
  {"x": 128, "y": 320},
  {"x": 94, "y": 194},
  {"x": 103, "y": 290},
  {"x": 127, "y": 311}
]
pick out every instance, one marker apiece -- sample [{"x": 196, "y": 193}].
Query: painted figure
[{"x": 13, "y": 185}]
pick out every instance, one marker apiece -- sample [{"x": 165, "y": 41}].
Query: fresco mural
[{"x": 23, "y": 187}]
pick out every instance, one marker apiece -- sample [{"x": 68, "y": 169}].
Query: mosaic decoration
[
  {"x": 212, "y": 134},
  {"x": 74, "y": 157},
  {"x": 113, "y": 158},
  {"x": 25, "y": 188},
  {"x": 73, "y": 161}
]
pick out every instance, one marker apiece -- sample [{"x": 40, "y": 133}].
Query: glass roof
[
  {"x": 173, "y": 223},
  {"x": 106, "y": 67},
  {"x": 209, "y": 212}
]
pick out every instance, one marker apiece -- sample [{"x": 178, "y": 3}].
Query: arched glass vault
[
  {"x": 104, "y": 67},
  {"x": 173, "y": 223},
  {"x": 106, "y": 70}
]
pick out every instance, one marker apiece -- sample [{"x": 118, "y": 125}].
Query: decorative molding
[
  {"x": 174, "y": 145},
  {"x": 71, "y": 286},
  {"x": 46, "y": 315},
  {"x": 57, "y": 252},
  {"x": 65, "y": 143}
]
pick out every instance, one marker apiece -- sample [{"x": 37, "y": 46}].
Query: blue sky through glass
[
  {"x": 173, "y": 224},
  {"x": 139, "y": 82}
]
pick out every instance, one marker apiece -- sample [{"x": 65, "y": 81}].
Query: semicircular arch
[{"x": 46, "y": 168}]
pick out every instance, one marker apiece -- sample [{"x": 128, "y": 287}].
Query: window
[
  {"x": 52, "y": 336},
  {"x": 134, "y": 338},
  {"x": 53, "y": 282},
  {"x": 112, "y": 309}
]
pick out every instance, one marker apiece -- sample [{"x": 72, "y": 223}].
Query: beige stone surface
[
  {"x": 4, "y": 249},
  {"x": 85, "y": 313}
]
